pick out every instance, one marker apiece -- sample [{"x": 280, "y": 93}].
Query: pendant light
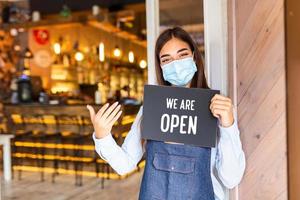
[
  {"x": 143, "y": 64},
  {"x": 101, "y": 52},
  {"x": 131, "y": 56},
  {"x": 117, "y": 52},
  {"x": 27, "y": 53},
  {"x": 79, "y": 56},
  {"x": 57, "y": 48}
]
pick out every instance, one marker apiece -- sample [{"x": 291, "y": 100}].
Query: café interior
[{"x": 55, "y": 58}]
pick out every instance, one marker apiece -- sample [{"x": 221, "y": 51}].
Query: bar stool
[
  {"x": 73, "y": 137},
  {"x": 20, "y": 131},
  {"x": 37, "y": 135},
  {"x": 85, "y": 128},
  {"x": 99, "y": 164},
  {"x": 53, "y": 135}
]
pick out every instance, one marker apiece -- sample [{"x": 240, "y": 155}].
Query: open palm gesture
[{"x": 105, "y": 118}]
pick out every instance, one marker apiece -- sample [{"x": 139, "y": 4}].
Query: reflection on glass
[{"x": 187, "y": 14}]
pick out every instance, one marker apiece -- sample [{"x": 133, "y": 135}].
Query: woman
[{"x": 173, "y": 170}]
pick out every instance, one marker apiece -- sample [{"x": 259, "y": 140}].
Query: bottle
[
  {"x": 24, "y": 89},
  {"x": 97, "y": 97},
  {"x": 14, "y": 97},
  {"x": 43, "y": 98}
]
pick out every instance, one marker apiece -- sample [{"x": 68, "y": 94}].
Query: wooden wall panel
[{"x": 257, "y": 58}]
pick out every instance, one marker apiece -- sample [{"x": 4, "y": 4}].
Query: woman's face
[{"x": 174, "y": 49}]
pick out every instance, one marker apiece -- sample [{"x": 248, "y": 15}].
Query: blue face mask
[{"x": 179, "y": 72}]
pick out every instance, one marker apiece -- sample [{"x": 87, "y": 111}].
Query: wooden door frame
[{"x": 292, "y": 31}]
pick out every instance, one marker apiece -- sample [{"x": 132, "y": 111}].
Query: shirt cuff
[
  {"x": 108, "y": 139},
  {"x": 103, "y": 145},
  {"x": 228, "y": 132}
]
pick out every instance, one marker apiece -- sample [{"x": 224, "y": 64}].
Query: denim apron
[{"x": 176, "y": 172}]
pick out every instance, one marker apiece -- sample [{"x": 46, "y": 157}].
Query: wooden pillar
[{"x": 293, "y": 94}]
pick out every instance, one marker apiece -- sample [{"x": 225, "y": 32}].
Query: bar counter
[
  {"x": 57, "y": 139},
  {"x": 59, "y": 108}
]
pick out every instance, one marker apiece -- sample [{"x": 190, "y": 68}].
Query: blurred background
[{"x": 56, "y": 57}]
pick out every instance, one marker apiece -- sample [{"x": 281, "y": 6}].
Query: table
[{"x": 5, "y": 141}]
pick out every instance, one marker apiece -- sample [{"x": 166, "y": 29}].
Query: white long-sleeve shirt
[{"x": 227, "y": 159}]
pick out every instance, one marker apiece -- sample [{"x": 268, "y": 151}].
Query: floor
[{"x": 30, "y": 188}]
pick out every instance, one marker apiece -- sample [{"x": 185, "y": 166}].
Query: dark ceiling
[{"x": 54, "y": 6}]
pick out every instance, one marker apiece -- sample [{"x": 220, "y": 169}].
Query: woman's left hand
[{"x": 222, "y": 108}]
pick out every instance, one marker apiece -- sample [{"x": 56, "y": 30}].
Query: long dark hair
[{"x": 199, "y": 80}]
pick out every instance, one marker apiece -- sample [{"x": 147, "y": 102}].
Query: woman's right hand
[{"x": 105, "y": 118}]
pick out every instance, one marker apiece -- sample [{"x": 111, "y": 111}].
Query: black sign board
[{"x": 178, "y": 114}]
